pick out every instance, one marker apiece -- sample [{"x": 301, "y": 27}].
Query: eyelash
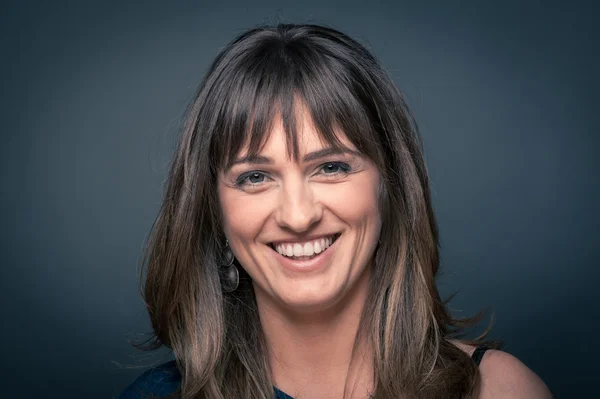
[{"x": 344, "y": 168}]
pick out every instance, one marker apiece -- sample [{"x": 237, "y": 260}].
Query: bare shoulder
[{"x": 505, "y": 376}]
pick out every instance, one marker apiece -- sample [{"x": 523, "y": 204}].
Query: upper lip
[{"x": 293, "y": 240}]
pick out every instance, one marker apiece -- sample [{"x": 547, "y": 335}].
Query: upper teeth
[{"x": 304, "y": 248}]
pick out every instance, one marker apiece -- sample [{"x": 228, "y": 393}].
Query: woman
[{"x": 296, "y": 249}]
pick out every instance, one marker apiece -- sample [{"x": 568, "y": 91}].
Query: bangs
[{"x": 274, "y": 78}]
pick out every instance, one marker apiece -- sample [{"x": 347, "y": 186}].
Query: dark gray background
[{"x": 506, "y": 95}]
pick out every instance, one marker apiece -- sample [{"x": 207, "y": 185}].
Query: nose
[{"x": 297, "y": 209}]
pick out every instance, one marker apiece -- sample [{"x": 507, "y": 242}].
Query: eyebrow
[{"x": 311, "y": 156}]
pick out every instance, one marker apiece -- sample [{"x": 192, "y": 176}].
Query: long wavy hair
[{"x": 216, "y": 336}]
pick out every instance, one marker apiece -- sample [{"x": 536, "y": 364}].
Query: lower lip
[{"x": 305, "y": 266}]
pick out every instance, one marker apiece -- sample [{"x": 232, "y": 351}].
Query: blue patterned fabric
[
  {"x": 281, "y": 395},
  {"x": 163, "y": 380},
  {"x": 158, "y": 381}
]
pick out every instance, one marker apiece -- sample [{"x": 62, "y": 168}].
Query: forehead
[
  {"x": 291, "y": 138},
  {"x": 306, "y": 138}
]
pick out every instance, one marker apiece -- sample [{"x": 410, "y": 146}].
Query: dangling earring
[{"x": 230, "y": 275}]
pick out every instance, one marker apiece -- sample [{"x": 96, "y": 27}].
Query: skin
[
  {"x": 301, "y": 312},
  {"x": 505, "y": 376}
]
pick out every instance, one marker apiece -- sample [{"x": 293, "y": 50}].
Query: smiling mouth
[{"x": 304, "y": 250}]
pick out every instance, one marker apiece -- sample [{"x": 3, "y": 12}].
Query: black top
[
  {"x": 478, "y": 354},
  {"x": 165, "y": 379}
]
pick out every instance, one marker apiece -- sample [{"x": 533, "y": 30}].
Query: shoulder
[
  {"x": 505, "y": 376},
  {"x": 159, "y": 380}
]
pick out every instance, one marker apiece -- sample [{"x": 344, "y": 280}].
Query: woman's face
[{"x": 304, "y": 231}]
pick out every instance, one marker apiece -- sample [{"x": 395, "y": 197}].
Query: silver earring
[{"x": 230, "y": 275}]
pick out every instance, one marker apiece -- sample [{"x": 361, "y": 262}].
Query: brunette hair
[{"x": 216, "y": 336}]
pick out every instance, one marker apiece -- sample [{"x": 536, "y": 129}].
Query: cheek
[
  {"x": 243, "y": 215},
  {"x": 357, "y": 203}
]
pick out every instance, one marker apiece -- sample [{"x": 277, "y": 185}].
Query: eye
[
  {"x": 253, "y": 178},
  {"x": 256, "y": 178},
  {"x": 334, "y": 168}
]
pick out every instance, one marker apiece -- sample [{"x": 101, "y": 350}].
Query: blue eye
[
  {"x": 256, "y": 177},
  {"x": 251, "y": 178},
  {"x": 333, "y": 168}
]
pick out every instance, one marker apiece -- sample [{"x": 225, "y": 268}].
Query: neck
[{"x": 314, "y": 354}]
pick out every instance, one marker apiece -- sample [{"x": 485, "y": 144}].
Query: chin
[
  {"x": 303, "y": 297},
  {"x": 309, "y": 303},
  {"x": 317, "y": 285}
]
